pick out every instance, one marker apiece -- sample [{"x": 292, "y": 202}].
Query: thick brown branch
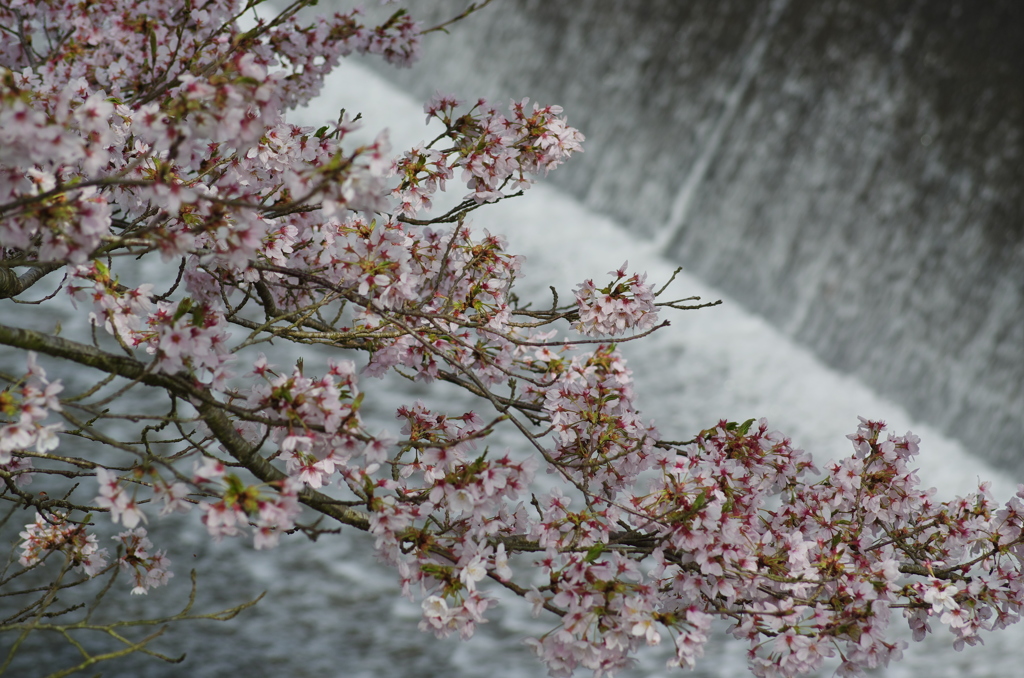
[{"x": 11, "y": 285}]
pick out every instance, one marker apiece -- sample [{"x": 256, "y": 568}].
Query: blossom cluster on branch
[{"x": 155, "y": 132}]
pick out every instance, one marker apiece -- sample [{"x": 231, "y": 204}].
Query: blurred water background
[{"x": 787, "y": 196}]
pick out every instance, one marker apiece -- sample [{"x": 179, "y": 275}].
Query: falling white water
[{"x": 760, "y": 33}]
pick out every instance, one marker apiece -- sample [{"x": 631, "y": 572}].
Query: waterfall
[
  {"x": 667, "y": 240},
  {"x": 851, "y": 172}
]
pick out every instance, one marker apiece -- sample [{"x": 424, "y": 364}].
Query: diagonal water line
[{"x": 759, "y": 36}]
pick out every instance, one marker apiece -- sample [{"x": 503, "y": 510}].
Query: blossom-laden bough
[{"x": 154, "y": 132}]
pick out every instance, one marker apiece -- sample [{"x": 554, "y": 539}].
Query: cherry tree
[{"x": 149, "y": 177}]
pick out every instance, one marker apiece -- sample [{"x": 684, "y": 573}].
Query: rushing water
[
  {"x": 853, "y": 172},
  {"x": 332, "y": 612}
]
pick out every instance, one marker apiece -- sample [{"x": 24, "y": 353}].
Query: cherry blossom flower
[
  {"x": 147, "y": 570},
  {"x": 55, "y": 533},
  {"x": 627, "y": 303}
]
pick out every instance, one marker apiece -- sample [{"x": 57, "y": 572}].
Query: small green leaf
[{"x": 183, "y": 307}]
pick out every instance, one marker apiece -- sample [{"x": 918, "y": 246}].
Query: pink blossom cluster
[
  {"x": 214, "y": 144},
  {"x": 602, "y": 442},
  {"x": 627, "y": 303},
  {"x": 454, "y": 285},
  {"x": 146, "y": 568},
  {"x": 182, "y": 336},
  {"x": 49, "y": 134},
  {"x": 312, "y": 51},
  {"x": 114, "y": 498},
  {"x": 120, "y": 311},
  {"x": 428, "y": 346},
  {"x": 444, "y": 469},
  {"x": 21, "y": 412},
  {"x": 271, "y": 514},
  {"x": 440, "y": 480},
  {"x": 185, "y": 336},
  {"x": 81, "y": 135},
  {"x": 493, "y": 151},
  {"x": 811, "y": 579},
  {"x": 331, "y": 436},
  {"x": 54, "y": 532}
]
